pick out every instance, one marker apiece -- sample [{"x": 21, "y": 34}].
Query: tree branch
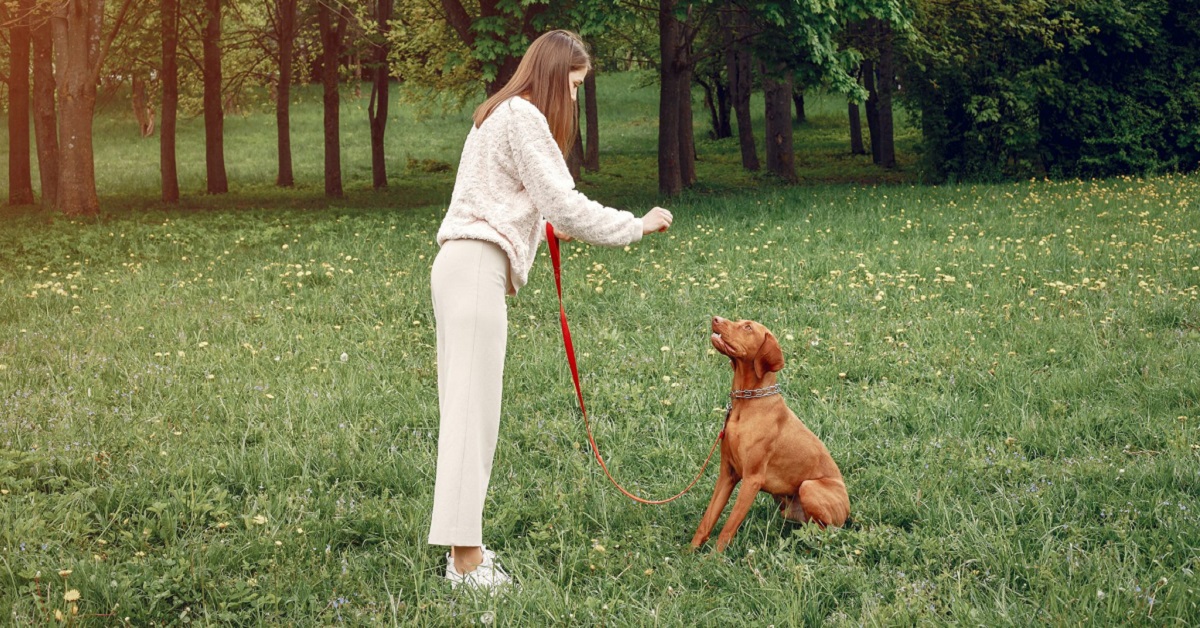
[
  {"x": 459, "y": 20},
  {"x": 98, "y": 62}
]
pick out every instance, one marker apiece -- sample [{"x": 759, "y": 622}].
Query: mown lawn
[{"x": 226, "y": 413}]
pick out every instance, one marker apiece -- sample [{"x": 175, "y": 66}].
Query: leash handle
[{"x": 555, "y": 258}]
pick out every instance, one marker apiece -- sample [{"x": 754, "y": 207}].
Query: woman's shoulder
[{"x": 522, "y": 110}]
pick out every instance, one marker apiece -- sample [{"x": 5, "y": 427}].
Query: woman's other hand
[{"x": 657, "y": 219}]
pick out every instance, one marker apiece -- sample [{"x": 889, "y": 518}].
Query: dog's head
[{"x": 747, "y": 342}]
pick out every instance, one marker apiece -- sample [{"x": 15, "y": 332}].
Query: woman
[{"x": 512, "y": 177}]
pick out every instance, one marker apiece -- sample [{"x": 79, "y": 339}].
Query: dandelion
[
  {"x": 344, "y": 357},
  {"x": 259, "y": 520},
  {"x": 71, "y": 596},
  {"x": 65, "y": 572}
]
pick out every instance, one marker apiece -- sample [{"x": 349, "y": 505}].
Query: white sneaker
[{"x": 488, "y": 575}]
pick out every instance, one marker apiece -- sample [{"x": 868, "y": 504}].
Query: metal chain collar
[{"x": 753, "y": 393}]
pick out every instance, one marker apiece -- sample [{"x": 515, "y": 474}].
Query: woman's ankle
[{"x": 466, "y": 558}]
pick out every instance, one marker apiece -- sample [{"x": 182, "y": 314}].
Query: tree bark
[
  {"x": 45, "y": 113},
  {"x": 738, "y": 66},
  {"x": 332, "y": 24},
  {"x": 884, "y": 87},
  {"x": 856, "y": 140},
  {"x": 140, "y": 104},
  {"x": 377, "y": 110},
  {"x": 20, "y": 171},
  {"x": 687, "y": 129},
  {"x": 76, "y": 29},
  {"x": 591, "y": 154},
  {"x": 724, "y": 108},
  {"x": 670, "y": 179},
  {"x": 777, "y": 93},
  {"x": 167, "y": 165},
  {"x": 575, "y": 156},
  {"x": 872, "y": 106},
  {"x": 286, "y": 34},
  {"x": 214, "y": 116}
]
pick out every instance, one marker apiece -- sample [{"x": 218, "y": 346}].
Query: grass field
[{"x": 226, "y": 413}]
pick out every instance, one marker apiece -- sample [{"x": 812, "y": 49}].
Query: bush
[{"x": 1066, "y": 88}]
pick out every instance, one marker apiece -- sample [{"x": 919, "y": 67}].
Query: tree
[
  {"x": 284, "y": 20},
  {"x": 878, "y": 76},
  {"x": 591, "y": 154},
  {"x": 497, "y": 36},
  {"x": 45, "y": 112},
  {"x": 214, "y": 115},
  {"x": 80, "y": 48},
  {"x": 735, "y": 23},
  {"x": 676, "y": 144},
  {"x": 169, "y": 10},
  {"x": 777, "y": 97},
  {"x": 20, "y": 183},
  {"x": 377, "y": 110},
  {"x": 856, "y": 139},
  {"x": 332, "y": 22}
]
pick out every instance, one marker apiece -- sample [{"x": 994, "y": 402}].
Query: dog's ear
[{"x": 770, "y": 356}]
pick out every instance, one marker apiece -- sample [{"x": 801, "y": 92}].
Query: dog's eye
[{"x": 747, "y": 327}]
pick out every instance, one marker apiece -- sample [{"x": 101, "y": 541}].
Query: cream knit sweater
[{"x": 511, "y": 179}]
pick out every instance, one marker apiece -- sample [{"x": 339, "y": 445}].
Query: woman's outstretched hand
[{"x": 657, "y": 219}]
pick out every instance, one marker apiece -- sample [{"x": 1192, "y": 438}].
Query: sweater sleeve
[{"x": 543, "y": 171}]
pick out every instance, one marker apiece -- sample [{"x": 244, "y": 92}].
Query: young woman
[{"x": 512, "y": 178}]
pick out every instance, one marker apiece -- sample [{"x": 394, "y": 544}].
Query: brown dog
[{"x": 766, "y": 447}]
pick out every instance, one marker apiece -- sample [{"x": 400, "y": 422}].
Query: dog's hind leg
[
  {"x": 823, "y": 501},
  {"x": 790, "y": 508}
]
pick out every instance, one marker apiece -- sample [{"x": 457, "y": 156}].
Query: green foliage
[{"x": 1058, "y": 87}]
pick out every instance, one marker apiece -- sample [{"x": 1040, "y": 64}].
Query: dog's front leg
[
  {"x": 741, "y": 507},
  {"x": 726, "y": 480}
]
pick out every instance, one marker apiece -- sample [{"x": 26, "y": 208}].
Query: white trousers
[{"x": 469, "y": 281}]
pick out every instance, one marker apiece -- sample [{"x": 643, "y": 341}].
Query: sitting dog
[{"x": 766, "y": 447}]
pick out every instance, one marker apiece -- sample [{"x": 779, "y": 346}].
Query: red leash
[{"x": 552, "y": 242}]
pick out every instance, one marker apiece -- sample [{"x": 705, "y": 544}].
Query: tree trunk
[
  {"x": 856, "y": 140},
  {"x": 20, "y": 170},
  {"x": 214, "y": 116},
  {"x": 377, "y": 110},
  {"x": 737, "y": 62},
  {"x": 591, "y": 154},
  {"x": 670, "y": 180},
  {"x": 575, "y": 156},
  {"x": 798, "y": 101},
  {"x": 76, "y": 27},
  {"x": 45, "y": 114},
  {"x": 712, "y": 89},
  {"x": 286, "y": 32},
  {"x": 777, "y": 93},
  {"x": 687, "y": 129},
  {"x": 872, "y": 107},
  {"x": 141, "y": 106},
  {"x": 170, "y": 101},
  {"x": 884, "y": 87},
  {"x": 332, "y": 29},
  {"x": 724, "y": 108}
]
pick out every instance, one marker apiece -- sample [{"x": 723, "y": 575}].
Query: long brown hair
[{"x": 543, "y": 78}]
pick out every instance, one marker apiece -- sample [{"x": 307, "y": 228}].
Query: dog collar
[{"x": 755, "y": 393}]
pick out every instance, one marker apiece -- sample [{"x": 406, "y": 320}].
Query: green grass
[{"x": 203, "y": 431}]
